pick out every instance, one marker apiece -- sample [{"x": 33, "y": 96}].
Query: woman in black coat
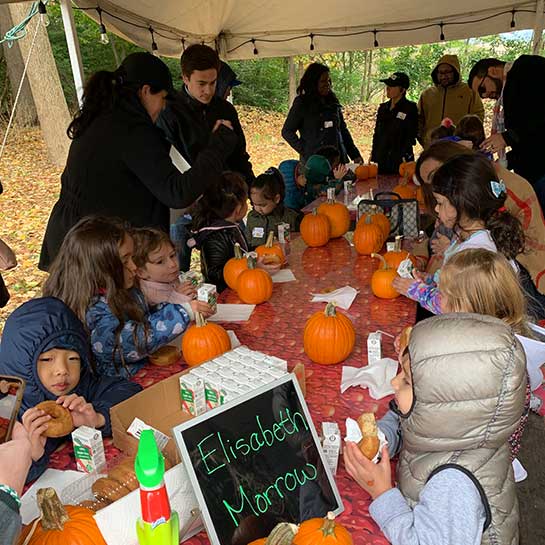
[
  {"x": 119, "y": 163},
  {"x": 317, "y": 115},
  {"x": 396, "y": 126}
]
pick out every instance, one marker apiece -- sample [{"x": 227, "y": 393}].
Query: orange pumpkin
[
  {"x": 397, "y": 255},
  {"x": 373, "y": 170},
  {"x": 270, "y": 248},
  {"x": 338, "y": 215},
  {"x": 368, "y": 237},
  {"x": 404, "y": 190},
  {"x": 381, "y": 281},
  {"x": 362, "y": 172},
  {"x": 407, "y": 169},
  {"x": 204, "y": 341},
  {"x": 379, "y": 219},
  {"x": 328, "y": 336},
  {"x": 234, "y": 267},
  {"x": 254, "y": 286},
  {"x": 61, "y": 524},
  {"x": 261, "y": 541},
  {"x": 315, "y": 229},
  {"x": 322, "y": 531}
]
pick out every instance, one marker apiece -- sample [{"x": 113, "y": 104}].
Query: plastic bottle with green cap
[{"x": 158, "y": 524}]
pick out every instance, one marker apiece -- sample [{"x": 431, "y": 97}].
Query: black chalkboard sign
[{"x": 255, "y": 462}]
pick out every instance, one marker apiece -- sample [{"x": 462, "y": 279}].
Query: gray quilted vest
[{"x": 469, "y": 382}]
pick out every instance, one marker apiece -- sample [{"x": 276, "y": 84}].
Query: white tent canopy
[{"x": 283, "y": 27}]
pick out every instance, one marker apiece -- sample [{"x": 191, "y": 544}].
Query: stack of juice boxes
[{"x": 227, "y": 377}]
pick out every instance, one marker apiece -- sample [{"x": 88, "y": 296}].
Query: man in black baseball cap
[{"x": 396, "y": 126}]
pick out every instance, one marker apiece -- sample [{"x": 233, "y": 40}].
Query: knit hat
[{"x": 317, "y": 169}]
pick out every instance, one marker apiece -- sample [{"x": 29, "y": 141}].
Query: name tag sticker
[
  {"x": 401, "y": 115},
  {"x": 258, "y": 232},
  {"x": 328, "y": 124}
]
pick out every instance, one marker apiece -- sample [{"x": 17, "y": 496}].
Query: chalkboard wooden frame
[{"x": 189, "y": 426}]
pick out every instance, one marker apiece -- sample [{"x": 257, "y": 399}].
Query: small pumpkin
[
  {"x": 381, "y": 281},
  {"x": 254, "y": 286},
  {"x": 61, "y": 524},
  {"x": 407, "y": 169},
  {"x": 315, "y": 229},
  {"x": 322, "y": 531},
  {"x": 338, "y": 215},
  {"x": 260, "y": 541},
  {"x": 282, "y": 534},
  {"x": 368, "y": 237},
  {"x": 380, "y": 219},
  {"x": 404, "y": 190},
  {"x": 362, "y": 172},
  {"x": 329, "y": 336},
  {"x": 234, "y": 267},
  {"x": 270, "y": 248},
  {"x": 397, "y": 255},
  {"x": 373, "y": 170},
  {"x": 204, "y": 341}
]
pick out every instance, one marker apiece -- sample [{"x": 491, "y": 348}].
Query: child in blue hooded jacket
[{"x": 45, "y": 344}]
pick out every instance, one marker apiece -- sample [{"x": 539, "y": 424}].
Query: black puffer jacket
[
  {"x": 187, "y": 125},
  {"x": 120, "y": 166},
  {"x": 217, "y": 245},
  {"x": 320, "y": 122}
]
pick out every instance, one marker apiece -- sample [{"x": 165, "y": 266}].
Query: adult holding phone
[
  {"x": 119, "y": 163},
  {"x": 316, "y": 118}
]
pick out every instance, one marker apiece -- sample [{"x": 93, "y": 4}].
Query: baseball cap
[
  {"x": 226, "y": 78},
  {"x": 397, "y": 79},
  {"x": 317, "y": 169},
  {"x": 146, "y": 69}
]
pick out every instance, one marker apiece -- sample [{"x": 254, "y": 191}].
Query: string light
[
  {"x": 103, "y": 34},
  {"x": 255, "y": 48},
  {"x": 512, "y": 25},
  {"x": 43, "y": 13},
  {"x": 154, "y": 48},
  {"x": 375, "y": 35},
  {"x": 183, "y": 44},
  {"x": 311, "y": 41},
  {"x": 442, "y": 35}
]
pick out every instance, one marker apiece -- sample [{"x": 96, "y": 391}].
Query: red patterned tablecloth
[{"x": 276, "y": 328}]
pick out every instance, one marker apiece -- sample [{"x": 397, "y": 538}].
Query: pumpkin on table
[
  {"x": 379, "y": 219},
  {"x": 362, "y": 172},
  {"x": 271, "y": 251},
  {"x": 407, "y": 169},
  {"x": 204, "y": 341},
  {"x": 338, "y": 215},
  {"x": 368, "y": 237},
  {"x": 322, "y": 531},
  {"x": 397, "y": 255},
  {"x": 61, "y": 524},
  {"x": 404, "y": 190},
  {"x": 373, "y": 170},
  {"x": 329, "y": 336},
  {"x": 254, "y": 286},
  {"x": 282, "y": 534},
  {"x": 315, "y": 229},
  {"x": 381, "y": 281},
  {"x": 234, "y": 267}
]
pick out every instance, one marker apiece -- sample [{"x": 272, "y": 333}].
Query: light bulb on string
[
  {"x": 44, "y": 18},
  {"x": 513, "y": 23},
  {"x": 376, "y": 41},
  {"x": 102, "y": 29},
  {"x": 154, "y": 48},
  {"x": 256, "y": 52},
  {"x": 442, "y": 35}
]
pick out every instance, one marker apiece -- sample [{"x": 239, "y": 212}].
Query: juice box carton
[
  {"x": 89, "y": 450},
  {"x": 331, "y": 444},
  {"x": 213, "y": 391},
  {"x": 191, "y": 276},
  {"x": 192, "y": 394},
  {"x": 374, "y": 348},
  {"x": 208, "y": 294}
]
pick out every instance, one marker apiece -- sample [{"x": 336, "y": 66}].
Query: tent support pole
[
  {"x": 537, "y": 41},
  {"x": 73, "y": 47}
]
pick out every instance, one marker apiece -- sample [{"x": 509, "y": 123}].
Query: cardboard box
[{"x": 158, "y": 406}]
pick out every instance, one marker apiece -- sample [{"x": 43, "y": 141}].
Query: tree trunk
[
  {"x": 363, "y": 76},
  {"x": 369, "y": 72},
  {"x": 45, "y": 84},
  {"x": 25, "y": 115},
  {"x": 292, "y": 81}
]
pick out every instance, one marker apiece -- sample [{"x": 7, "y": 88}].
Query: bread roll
[
  {"x": 166, "y": 355},
  {"x": 369, "y": 443}
]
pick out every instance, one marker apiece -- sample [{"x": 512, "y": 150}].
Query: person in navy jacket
[{"x": 46, "y": 344}]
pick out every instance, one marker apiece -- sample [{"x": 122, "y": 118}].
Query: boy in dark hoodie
[{"x": 45, "y": 344}]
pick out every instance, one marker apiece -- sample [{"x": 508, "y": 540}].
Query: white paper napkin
[
  {"x": 343, "y": 297},
  {"x": 283, "y": 275},
  {"x": 353, "y": 433},
  {"x": 375, "y": 376},
  {"x": 234, "y": 339},
  {"x": 519, "y": 472},
  {"x": 232, "y": 313},
  {"x": 535, "y": 357}
]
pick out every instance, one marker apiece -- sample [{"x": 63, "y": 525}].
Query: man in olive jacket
[{"x": 449, "y": 97}]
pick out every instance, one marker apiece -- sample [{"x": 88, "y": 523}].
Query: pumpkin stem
[
  {"x": 330, "y": 309},
  {"x": 199, "y": 319},
  {"x": 397, "y": 244},
  {"x": 270, "y": 239},
  {"x": 54, "y": 514},
  {"x": 315, "y": 212},
  {"x": 252, "y": 261},
  {"x": 238, "y": 251},
  {"x": 384, "y": 265},
  {"x": 328, "y": 526}
]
